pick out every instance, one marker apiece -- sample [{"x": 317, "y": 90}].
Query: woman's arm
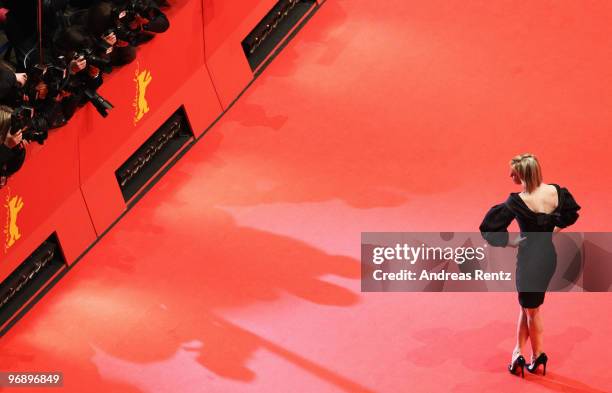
[{"x": 494, "y": 227}]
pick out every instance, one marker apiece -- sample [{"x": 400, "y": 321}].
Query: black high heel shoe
[
  {"x": 518, "y": 362},
  {"x": 533, "y": 366}
]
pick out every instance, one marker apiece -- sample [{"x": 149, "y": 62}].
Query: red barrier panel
[
  {"x": 44, "y": 197},
  {"x": 169, "y": 72},
  {"x": 226, "y": 24},
  {"x": 68, "y": 186}
]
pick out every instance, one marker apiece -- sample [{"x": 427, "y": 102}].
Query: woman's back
[{"x": 544, "y": 199}]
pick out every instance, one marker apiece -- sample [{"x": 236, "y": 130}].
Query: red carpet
[{"x": 239, "y": 272}]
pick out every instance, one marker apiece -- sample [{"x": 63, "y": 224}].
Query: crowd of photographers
[{"x": 55, "y": 59}]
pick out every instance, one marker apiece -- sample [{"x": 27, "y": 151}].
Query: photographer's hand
[
  {"x": 138, "y": 22},
  {"x": 110, "y": 39},
  {"x": 62, "y": 94},
  {"x": 94, "y": 72},
  {"x": 13, "y": 140},
  {"x": 41, "y": 91},
  {"x": 22, "y": 78},
  {"x": 77, "y": 65}
]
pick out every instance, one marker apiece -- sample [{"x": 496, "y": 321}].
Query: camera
[
  {"x": 52, "y": 75},
  {"x": 21, "y": 117},
  {"x": 121, "y": 32},
  {"x": 138, "y": 7},
  {"x": 62, "y": 61},
  {"x": 35, "y": 128},
  {"x": 85, "y": 87},
  {"x": 128, "y": 12},
  {"x": 100, "y": 103},
  {"x": 99, "y": 62}
]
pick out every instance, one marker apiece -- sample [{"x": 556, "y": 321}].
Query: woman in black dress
[{"x": 540, "y": 209}]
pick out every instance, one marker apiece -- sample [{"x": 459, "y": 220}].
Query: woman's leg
[
  {"x": 522, "y": 334},
  {"x": 536, "y": 330}
]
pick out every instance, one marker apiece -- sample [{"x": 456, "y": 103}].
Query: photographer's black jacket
[
  {"x": 11, "y": 159},
  {"x": 158, "y": 21}
]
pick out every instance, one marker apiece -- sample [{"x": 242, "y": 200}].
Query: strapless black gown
[{"x": 536, "y": 259}]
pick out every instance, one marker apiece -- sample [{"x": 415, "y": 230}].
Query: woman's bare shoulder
[{"x": 549, "y": 188}]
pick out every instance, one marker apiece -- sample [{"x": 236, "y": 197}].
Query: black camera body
[
  {"x": 121, "y": 32},
  {"x": 52, "y": 75},
  {"x": 124, "y": 15},
  {"x": 100, "y": 103},
  {"x": 131, "y": 9},
  {"x": 99, "y": 62},
  {"x": 138, "y": 7},
  {"x": 82, "y": 86},
  {"x": 21, "y": 117},
  {"x": 55, "y": 78},
  {"x": 35, "y": 128}
]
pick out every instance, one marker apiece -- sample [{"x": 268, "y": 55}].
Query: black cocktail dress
[{"x": 536, "y": 259}]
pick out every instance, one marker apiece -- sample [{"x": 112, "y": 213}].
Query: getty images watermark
[{"x": 464, "y": 262}]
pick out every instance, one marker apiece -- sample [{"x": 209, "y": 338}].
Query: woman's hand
[{"x": 516, "y": 241}]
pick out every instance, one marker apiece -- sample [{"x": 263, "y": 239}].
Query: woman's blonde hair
[
  {"x": 5, "y": 121},
  {"x": 527, "y": 167}
]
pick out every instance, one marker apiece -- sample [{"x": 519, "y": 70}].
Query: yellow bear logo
[
  {"x": 13, "y": 207},
  {"x": 142, "y": 79}
]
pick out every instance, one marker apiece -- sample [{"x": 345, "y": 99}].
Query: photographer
[
  {"x": 63, "y": 63},
  {"x": 144, "y": 16},
  {"x": 103, "y": 22},
  {"x": 21, "y": 25},
  {"x": 10, "y": 84},
  {"x": 12, "y": 151},
  {"x": 83, "y": 71}
]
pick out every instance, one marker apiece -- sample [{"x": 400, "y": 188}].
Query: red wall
[{"x": 68, "y": 186}]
